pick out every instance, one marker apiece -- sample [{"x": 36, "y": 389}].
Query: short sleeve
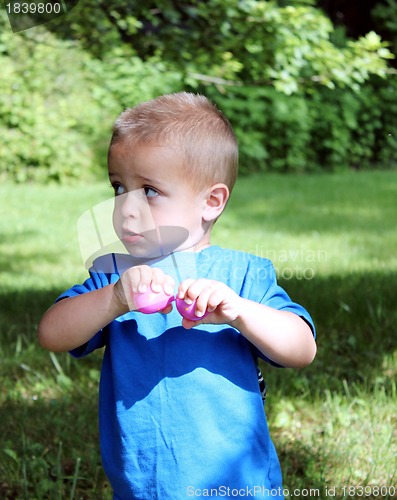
[
  {"x": 94, "y": 282},
  {"x": 276, "y": 297},
  {"x": 271, "y": 294}
]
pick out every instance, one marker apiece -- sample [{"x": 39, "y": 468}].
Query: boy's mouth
[
  {"x": 130, "y": 236},
  {"x": 164, "y": 239}
]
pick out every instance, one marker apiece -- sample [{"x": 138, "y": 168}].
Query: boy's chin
[
  {"x": 157, "y": 243},
  {"x": 150, "y": 252}
]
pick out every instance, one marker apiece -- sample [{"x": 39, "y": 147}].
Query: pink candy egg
[
  {"x": 188, "y": 310},
  {"x": 150, "y": 302}
]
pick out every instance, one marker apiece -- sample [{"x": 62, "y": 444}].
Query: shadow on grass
[
  {"x": 332, "y": 204},
  {"x": 48, "y": 445},
  {"x": 48, "y": 410},
  {"x": 355, "y": 317},
  {"x": 356, "y": 320},
  {"x": 23, "y": 255},
  {"x": 302, "y": 468}
]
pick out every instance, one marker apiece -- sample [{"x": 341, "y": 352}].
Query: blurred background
[
  {"x": 310, "y": 88},
  {"x": 308, "y": 85}
]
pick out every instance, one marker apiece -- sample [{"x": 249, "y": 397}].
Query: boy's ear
[{"x": 215, "y": 201}]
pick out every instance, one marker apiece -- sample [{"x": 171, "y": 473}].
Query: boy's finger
[
  {"x": 200, "y": 289},
  {"x": 217, "y": 296},
  {"x": 138, "y": 278},
  {"x": 161, "y": 281},
  {"x": 157, "y": 280},
  {"x": 145, "y": 278},
  {"x": 188, "y": 324},
  {"x": 131, "y": 279},
  {"x": 167, "y": 309},
  {"x": 210, "y": 297},
  {"x": 168, "y": 285},
  {"x": 196, "y": 288},
  {"x": 183, "y": 287},
  {"x": 202, "y": 299}
]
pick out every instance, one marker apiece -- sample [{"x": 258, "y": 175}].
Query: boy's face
[{"x": 156, "y": 210}]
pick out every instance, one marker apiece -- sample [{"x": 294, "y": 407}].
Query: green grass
[{"x": 333, "y": 240}]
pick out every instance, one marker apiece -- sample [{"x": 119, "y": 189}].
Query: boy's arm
[
  {"x": 282, "y": 336},
  {"x": 73, "y": 321}
]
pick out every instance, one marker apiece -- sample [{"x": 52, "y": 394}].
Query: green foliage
[
  {"x": 254, "y": 42},
  {"x": 329, "y": 129},
  {"x": 48, "y": 112},
  {"x": 333, "y": 423},
  {"x": 273, "y": 129},
  {"x": 385, "y": 13},
  {"x": 129, "y": 80},
  {"x": 298, "y": 100},
  {"x": 57, "y": 103},
  {"x": 384, "y": 96},
  {"x": 356, "y": 129}
]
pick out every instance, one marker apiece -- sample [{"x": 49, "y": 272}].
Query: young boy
[{"x": 180, "y": 410}]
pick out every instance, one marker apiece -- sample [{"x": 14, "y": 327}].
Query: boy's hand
[
  {"x": 138, "y": 279},
  {"x": 223, "y": 304}
]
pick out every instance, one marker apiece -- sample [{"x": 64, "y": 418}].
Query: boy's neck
[{"x": 200, "y": 247}]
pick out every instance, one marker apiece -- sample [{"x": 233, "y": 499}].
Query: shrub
[
  {"x": 48, "y": 113},
  {"x": 57, "y": 104},
  {"x": 326, "y": 129}
]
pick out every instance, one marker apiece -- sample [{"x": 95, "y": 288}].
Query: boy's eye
[
  {"x": 150, "y": 192},
  {"x": 118, "y": 189}
]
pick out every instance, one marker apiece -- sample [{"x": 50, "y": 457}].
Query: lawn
[{"x": 333, "y": 240}]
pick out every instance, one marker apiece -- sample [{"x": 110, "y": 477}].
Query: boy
[{"x": 180, "y": 408}]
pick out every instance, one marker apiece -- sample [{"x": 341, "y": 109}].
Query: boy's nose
[
  {"x": 134, "y": 206},
  {"x": 132, "y": 203}
]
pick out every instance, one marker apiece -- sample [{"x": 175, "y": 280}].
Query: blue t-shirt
[{"x": 180, "y": 411}]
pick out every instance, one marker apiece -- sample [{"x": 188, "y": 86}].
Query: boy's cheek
[{"x": 117, "y": 223}]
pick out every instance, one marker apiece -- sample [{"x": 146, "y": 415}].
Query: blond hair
[{"x": 194, "y": 126}]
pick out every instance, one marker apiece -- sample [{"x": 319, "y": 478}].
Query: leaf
[{"x": 11, "y": 454}]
